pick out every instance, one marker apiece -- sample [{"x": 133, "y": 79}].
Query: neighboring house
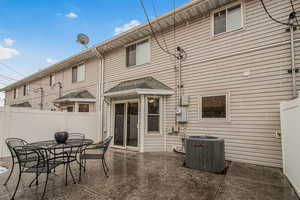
[
  {"x": 68, "y": 86},
  {"x": 230, "y": 84}
]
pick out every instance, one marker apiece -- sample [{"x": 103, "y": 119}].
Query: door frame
[{"x": 125, "y": 147}]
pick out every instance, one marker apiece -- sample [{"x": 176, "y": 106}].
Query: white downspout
[
  {"x": 293, "y": 62},
  {"x": 99, "y": 103}
]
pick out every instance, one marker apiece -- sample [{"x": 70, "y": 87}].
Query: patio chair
[
  {"x": 102, "y": 147},
  {"x": 32, "y": 160},
  {"x": 11, "y": 143}
]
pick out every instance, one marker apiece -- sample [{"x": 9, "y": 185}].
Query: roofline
[{"x": 101, "y": 45}]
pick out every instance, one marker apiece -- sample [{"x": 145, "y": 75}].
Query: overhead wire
[
  {"x": 294, "y": 11},
  {"x": 162, "y": 35},
  {"x": 12, "y": 69},
  {"x": 271, "y": 17},
  {"x": 152, "y": 31}
]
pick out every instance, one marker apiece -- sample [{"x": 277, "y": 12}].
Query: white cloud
[
  {"x": 6, "y": 53},
  {"x": 8, "y": 41},
  {"x": 71, "y": 15},
  {"x": 51, "y": 60},
  {"x": 126, "y": 27}
]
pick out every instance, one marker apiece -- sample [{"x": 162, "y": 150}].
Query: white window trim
[
  {"x": 135, "y": 42},
  {"x": 77, "y": 73},
  {"x": 17, "y": 93},
  {"x": 154, "y": 133},
  {"x": 212, "y": 14},
  {"x": 228, "y": 116}
]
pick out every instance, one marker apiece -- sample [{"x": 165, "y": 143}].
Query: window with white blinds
[
  {"x": 78, "y": 73},
  {"x": 228, "y": 19},
  {"x": 138, "y": 53}
]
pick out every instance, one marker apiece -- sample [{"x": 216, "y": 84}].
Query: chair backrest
[
  {"x": 14, "y": 142},
  {"x": 29, "y": 157},
  {"x": 76, "y": 136},
  {"x": 106, "y": 143}
]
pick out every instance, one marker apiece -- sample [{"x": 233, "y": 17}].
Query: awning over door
[
  {"x": 81, "y": 96},
  {"x": 22, "y": 105},
  {"x": 146, "y": 85}
]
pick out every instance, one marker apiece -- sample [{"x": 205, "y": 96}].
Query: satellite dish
[{"x": 83, "y": 39}]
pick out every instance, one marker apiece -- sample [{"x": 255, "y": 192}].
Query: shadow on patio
[{"x": 156, "y": 176}]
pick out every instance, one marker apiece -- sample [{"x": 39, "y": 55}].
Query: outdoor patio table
[{"x": 66, "y": 149}]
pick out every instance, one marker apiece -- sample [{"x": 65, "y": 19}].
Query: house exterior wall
[
  {"x": 51, "y": 93},
  {"x": 218, "y": 65}
]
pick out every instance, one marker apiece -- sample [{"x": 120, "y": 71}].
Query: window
[
  {"x": 78, "y": 73},
  {"x": 153, "y": 115},
  {"x": 15, "y": 93},
  {"x": 214, "y": 107},
  {"x": 84, "y": 108},
  {"x": 228, "y": 19},
  {"x": 25, "y": 90},
  {"x": 138, "y": 54},
  {"x": 51, "y": 79},
  {"x": 70, "y": 109}
]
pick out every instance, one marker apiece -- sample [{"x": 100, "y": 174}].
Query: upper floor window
[
  {"x": 51, "y": 79},
  {"x": 25, "y": 90},
  {"x": 138, "y": 53},
  {"x": 228, "y": 19},
  {"x": 78, "y": 73},
  {"x": 153, "y": 121},
  {"x": 15, "y": 93}
]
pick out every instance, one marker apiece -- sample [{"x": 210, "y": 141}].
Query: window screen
[
  {"x": 214, "y": 106},
  {"x": 220, "y": 22}
]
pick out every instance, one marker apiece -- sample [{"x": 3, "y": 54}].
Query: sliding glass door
[{"x": 126, "y": 125}]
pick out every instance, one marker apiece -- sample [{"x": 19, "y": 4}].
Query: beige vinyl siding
[
  {"x": 63, "y": 76},
  {"x": 216, "y": 64}
]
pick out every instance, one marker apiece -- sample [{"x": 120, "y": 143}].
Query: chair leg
[
  {"x": 33, "y": 180},
  {"x": 17, "y": 186},
  {"x": 80, "y": 166},
  {"x": 45, "y": 187},
  {"x": 66, "y": 174},
  {"x": 71, "y": 173},
  {"x": 84, "y": 165},
  {"x": 10, "y": 173},
  {"x": 106, "y": 165},
  {"x": 103, "y": 165}
]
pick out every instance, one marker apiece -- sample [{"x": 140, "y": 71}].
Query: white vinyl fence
[
  {"x": 35, "y": 125},
  {"x": 290, "y": 129}
]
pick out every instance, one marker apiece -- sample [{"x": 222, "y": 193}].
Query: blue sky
[{"x": 35, "y": 34}]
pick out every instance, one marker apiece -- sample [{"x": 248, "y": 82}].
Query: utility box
[
  {"x": 184, "y": 100},
  {"x": 181, "y": 114}
]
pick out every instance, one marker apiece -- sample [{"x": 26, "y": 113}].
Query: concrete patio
[{"x": 157, "y": 176}]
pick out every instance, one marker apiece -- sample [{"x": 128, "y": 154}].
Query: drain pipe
[
  {"x": 100, "y": 82},
  {"x": 293, "y": 62}
]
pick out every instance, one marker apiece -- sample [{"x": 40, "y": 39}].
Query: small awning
[
  {"x": 22, "y": 105},
  {"x": 81, "y": 96},
  {"x": 146, "y": 85}
]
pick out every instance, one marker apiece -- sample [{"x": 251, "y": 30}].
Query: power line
[
  {"x": 162, "y": 36},
  {"x": 12, "y": 69},
  {"x": 270, "y": 16},
  {"x": 292, "y": 4},
  {"x": 7, "y": 77},
  {"x": 153, "y": 33}
]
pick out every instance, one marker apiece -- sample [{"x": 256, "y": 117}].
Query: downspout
[
  {"x": 100, "y": 82},
  {"x": 293, "y": 62}
]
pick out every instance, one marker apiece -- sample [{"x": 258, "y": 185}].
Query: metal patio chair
[
  {"x": 102, "y": 147},
  {"x": 32, "y": 160},
  {"x": 11, "y": 143}
]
